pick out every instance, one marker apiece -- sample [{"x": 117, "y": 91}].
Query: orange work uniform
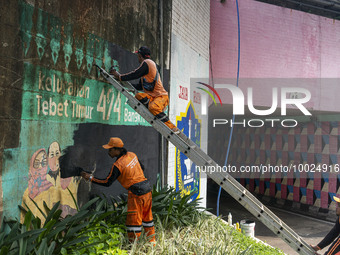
[
  {"x": 155, "y": 99},
  {"x": 128, "y": 171}
]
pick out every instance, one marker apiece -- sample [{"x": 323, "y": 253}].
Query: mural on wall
[
  {"x": 37, "y": 182},
  {"x": 59, "y": 96},
  {"x": 52, "y": 95},
  {"x": 46, "y": 185},
  {"x": 187, "y": 178},
  {"x": 54, "y": 101}
]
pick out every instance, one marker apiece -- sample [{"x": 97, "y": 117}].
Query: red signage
[
  {"x": 183, "y": 93},
  {"x": 197, "y": 97}
]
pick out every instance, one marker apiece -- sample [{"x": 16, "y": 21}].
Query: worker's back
[{"x": 130, "y": 170}]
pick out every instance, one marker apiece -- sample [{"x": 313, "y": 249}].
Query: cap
[
  {"x": 114, "y": 142},
  {"x": 144, "y": 51}
]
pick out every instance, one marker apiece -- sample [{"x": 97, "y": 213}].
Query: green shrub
[
  {"x": 172, "y": 209},
  {"x": 32, "y": 238},
  {"x": 56, "y": 234},
  {"x": 104, "y": 238},
  {"x": 181, "y": 228},
  {"x": 105, "y": 234}
]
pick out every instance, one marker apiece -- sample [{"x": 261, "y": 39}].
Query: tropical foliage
[{"x": 182, "y": 227}]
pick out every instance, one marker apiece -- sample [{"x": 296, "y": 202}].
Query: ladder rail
[{"x": 227, "y": 182}]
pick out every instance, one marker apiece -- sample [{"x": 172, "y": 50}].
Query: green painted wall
[{"x": 49, "y": 88}]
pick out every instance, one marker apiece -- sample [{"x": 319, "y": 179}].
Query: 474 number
[{"x": 106, "y": 100}]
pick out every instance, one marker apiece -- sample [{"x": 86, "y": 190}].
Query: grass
[{"x": 209, "y": 236}]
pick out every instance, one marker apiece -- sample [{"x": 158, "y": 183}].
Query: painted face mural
[
  {"x": 37, "y": 174},
  {"x": 53, "y": 156},
  {"x": 64, "y": 182},
  {"x": 54, "y": 153}
]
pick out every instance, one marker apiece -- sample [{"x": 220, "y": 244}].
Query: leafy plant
[
  {"x": 103, "y": 239},
  {"x": 106, "y": 232},
  {"x": 98, "y": 228},
  {"x": 55, "y": 234},
  {"x": 15, "y": 238},
  {"x": 172, "y": 209},
  {"x": 117, "y": 207}
]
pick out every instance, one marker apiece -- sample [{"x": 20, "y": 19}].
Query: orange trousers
[
  {"x": 156, "y": 106},
  {"x": 140, "y": 214}
]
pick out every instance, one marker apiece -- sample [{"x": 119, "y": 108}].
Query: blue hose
[{"x": 232, "y": 127}]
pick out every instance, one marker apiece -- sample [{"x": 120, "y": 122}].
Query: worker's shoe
[{"x": 176, "y": 130}]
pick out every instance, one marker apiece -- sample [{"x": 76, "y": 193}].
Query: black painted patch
[{"x": 87, "y": 153}]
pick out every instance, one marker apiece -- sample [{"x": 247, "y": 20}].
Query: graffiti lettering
[
  {"x": 57, "y": 85},
  {"x": 51, "y": 108},
  {"x": 132, "y": 116},
  {"x": 81, "y": 111},
  {"x": 197, "y": 97},
  {"x": 183, "y": 93},
  {"x": 62, "y": 97}
]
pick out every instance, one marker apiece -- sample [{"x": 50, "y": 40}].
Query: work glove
[
  {"x": 112, "y": 68},
  {"x": 114, "y": 72},
  {"x": 87, "y": 176}
]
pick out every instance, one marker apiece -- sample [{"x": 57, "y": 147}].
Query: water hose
[{"x": 232, "y": 127}]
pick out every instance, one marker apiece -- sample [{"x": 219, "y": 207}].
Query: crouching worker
[
  {"x": 154, "y": 96},
  {"x": 129, "y": 172}
]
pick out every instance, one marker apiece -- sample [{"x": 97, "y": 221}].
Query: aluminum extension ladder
[{"x": 226, "y": 181}]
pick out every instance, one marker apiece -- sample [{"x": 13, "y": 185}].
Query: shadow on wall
[{"x": 88, "y": 153}]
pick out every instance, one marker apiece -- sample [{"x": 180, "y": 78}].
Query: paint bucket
[{"x": 248, "y": 227}]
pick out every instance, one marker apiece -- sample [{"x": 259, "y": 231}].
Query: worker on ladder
[
  {"x": 128, "y": 170},
  {"x": 154, "y": 96}
]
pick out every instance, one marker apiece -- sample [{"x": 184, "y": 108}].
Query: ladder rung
[{"x": 193, "y": 146}]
